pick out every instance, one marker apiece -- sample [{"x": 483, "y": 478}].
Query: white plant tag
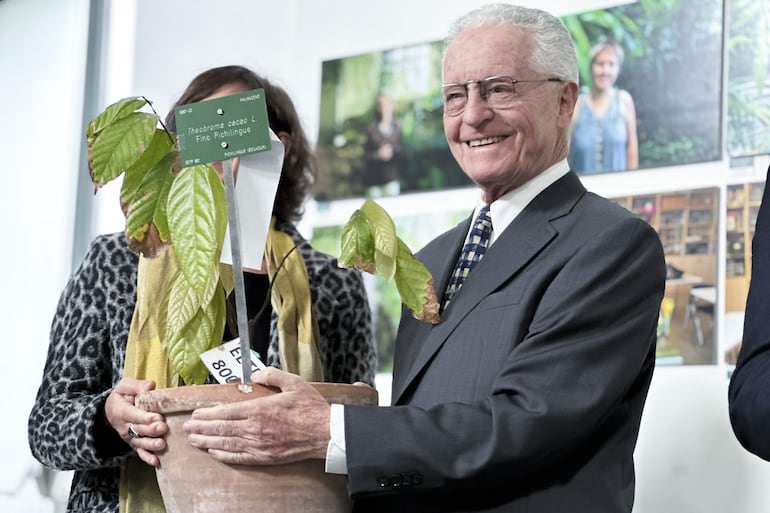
[
  {"x": 255, "y": 189},
  {"x": 224, "y": 362}
]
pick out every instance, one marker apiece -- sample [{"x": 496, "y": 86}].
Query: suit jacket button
[
  {"x": 406, "y": 478},
  {"x": 383, "y": 481},
  {"x": 416, "y": 477},
  {"x": 396, "y": 481}
]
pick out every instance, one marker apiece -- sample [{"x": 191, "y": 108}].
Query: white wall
[
  {"x": 42, "y": 58},
  {"x": 687, "y": 458}
]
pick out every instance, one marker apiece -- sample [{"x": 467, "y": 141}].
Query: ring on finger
[{"x": 132, "y": 432}]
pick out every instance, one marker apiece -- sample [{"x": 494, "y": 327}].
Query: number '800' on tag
[{"x": 224, "y": 362}]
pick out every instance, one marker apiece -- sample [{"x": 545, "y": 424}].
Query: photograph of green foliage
[
  {"x": 671, "y": 66},
  {"x": 672, "y": 70},
  {"x": 748, "y": 79},
  {"x": 411, "y": 78}
]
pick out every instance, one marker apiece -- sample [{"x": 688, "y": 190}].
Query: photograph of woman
[
  {"x": 603, "y": 128},
  {"x": 382, "y": 148}
]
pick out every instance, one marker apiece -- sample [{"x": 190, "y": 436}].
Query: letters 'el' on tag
[{"x": 224, "y": 362}]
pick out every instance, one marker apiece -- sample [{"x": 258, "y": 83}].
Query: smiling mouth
[{"x": 488, "y": 140}]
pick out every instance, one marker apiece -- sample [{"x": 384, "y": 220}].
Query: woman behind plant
[{"x": 84, "y": 406}]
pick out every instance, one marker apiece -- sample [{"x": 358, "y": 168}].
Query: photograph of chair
[{"x": 701, "y": 304}]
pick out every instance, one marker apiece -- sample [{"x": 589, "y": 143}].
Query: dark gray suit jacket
[
  {"x": 749, "y": 393},
  {"x": 527, "y": 396}
]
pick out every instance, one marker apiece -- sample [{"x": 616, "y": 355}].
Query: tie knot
[
  {"x": 482, "y": 227},
  {"x": 473, "y": 250}
]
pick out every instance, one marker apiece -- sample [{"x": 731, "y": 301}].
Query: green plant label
[{"x": 222, "y": 128}]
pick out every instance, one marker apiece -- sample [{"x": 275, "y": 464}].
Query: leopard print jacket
[{"x": 67, "y": 430}]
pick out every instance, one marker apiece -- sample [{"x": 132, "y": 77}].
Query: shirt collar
[{"x": 505, "y": 209}]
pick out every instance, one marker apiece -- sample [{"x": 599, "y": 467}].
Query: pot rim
[{"x": 191, "y": 397}]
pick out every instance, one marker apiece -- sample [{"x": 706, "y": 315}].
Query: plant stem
[{"x": 168, "y": 134}]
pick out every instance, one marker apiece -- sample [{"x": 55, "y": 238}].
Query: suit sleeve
[
  {"x": 749, "y": 392},
  {"x": 588, "y": 347}
]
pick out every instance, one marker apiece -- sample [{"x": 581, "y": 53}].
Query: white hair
[{"x": 554, "y": 53}]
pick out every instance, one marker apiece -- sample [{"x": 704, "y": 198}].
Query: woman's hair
[
  {"x": 607, "y": 44},
  {"x": 554, "y": 52},
  {"x": 299, "y": 166}
]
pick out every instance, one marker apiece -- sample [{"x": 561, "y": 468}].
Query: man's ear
[{"x": 567, "y": 101}]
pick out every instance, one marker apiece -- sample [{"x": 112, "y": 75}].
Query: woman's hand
[{"x": 140, "y": 429}]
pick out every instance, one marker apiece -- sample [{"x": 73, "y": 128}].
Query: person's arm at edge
[{"x": 749, "y": 391}]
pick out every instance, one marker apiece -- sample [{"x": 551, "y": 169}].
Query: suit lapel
[
  {"x": 521, "y": 241},
  {"x": 436, "y": 257}
]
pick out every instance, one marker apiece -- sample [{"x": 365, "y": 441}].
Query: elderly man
[{"x": 528, "y": 395}]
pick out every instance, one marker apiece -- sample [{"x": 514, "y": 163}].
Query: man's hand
[{"x": 292, "y": 425}]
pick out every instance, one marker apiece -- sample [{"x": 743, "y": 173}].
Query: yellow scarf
[
  {"x": 145, "y": 359},
  {"x": 298, "y": 337}
]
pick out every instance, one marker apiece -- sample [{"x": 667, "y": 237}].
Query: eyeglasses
[{"x": 497, "y": 93}]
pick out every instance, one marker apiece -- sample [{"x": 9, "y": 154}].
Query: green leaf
[
  {"x": 160, "y": 146},
  {"x": 226, "y": 277},
  {"x": 183, "y": 304},
  {"x": 149, "y": 206},
  {"x": 415, "y": 285},
  {"x": 202, "y": 332},
  {"x": 366, "y": 242},
  {"x": 160, "y": 214},
  {"x": 119, "y": 145},
  {"x": 357, "y": 244},
  {"x": 384, "y": 232},
  {"x": 216, "y": 311},
  {"x": 112, "y": 113},
  {"x": 196, "y": 203}
]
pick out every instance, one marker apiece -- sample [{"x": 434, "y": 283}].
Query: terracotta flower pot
[{"x": 192, "y": 481}]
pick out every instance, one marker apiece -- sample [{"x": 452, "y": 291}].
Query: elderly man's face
[{"x": 502, "y": 148}]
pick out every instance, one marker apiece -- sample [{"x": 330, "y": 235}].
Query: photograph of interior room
[{"x": 65, "y": 61}]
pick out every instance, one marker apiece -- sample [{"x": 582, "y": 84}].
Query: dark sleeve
[
  {"x": 749, "y": 392},
  {"x": 67, "y": 429}
]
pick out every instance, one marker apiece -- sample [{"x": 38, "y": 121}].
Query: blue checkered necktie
[{"x": 475, "y": 246}]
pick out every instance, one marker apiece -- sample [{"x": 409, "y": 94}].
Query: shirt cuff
[{"x": 336, "y": 456}]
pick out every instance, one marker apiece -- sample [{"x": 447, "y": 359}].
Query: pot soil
[{"x": 191, "y": 481}]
